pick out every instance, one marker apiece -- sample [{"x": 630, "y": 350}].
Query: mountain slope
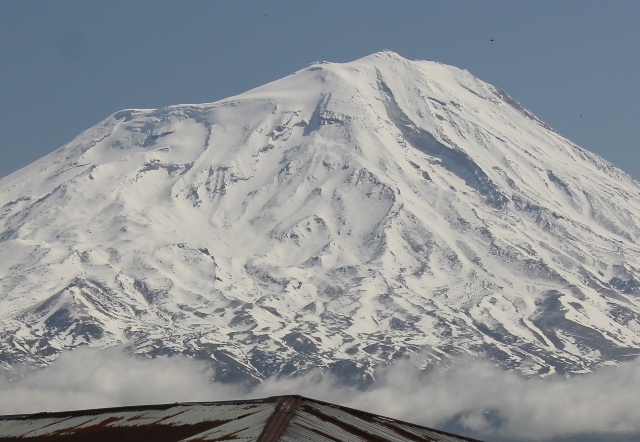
[{"x": 344, "y": 216}]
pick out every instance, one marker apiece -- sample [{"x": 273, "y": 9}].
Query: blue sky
[{"x": 66, "y": 65}]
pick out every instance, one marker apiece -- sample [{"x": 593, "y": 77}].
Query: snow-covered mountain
[{"x": 344, "y": 216}]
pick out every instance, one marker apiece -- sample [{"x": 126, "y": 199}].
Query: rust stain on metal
[
  {"x": 346, "y": 427},
  {"x": 135, "y": 418},
  {"x": 280, "y": 419},
  {"x": 156, "y": 433},
  {"x": 57, "y": 422},
  {"x": 388, "y": 423},
  {"x": 414, "y": 437},
  {"x": 77, "y": 429},
  {"x": 230, "y": 436},
  {"x": 170, "y": 416},
  {"x": 321, "y": 433},
  {"x": 377, "y": 420},
  {"x": 95, "y": 411},
  {"x": 407, "y": 435}
]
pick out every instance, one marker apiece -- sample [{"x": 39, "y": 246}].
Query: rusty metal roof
[{"x": 280, "y": 418}]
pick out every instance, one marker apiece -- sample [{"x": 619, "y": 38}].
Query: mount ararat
[{"x": 345, "y": 216}]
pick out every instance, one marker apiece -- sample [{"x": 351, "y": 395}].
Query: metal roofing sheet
[
  {"x": 284, "y": 418},
  {"x": 248, "y": 428},
  {"x": 317, "y": 421},
  {"x": 224, "y": 421}
]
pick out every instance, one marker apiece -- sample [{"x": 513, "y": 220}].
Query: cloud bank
[{"x": 480, "y": 399}]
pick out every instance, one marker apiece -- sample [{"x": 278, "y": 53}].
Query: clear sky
[{"x": 65, "y": 65}]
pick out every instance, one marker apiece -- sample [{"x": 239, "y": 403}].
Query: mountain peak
[{"x": 388, "y": 54}]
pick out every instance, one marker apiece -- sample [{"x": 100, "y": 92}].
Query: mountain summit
[{"x": 344, "y": 216}]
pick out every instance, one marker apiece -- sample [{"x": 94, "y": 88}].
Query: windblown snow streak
[{"x": 344, "y": 216}]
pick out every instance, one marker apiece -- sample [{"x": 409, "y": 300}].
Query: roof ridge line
[{"x": 280, "y": 418}]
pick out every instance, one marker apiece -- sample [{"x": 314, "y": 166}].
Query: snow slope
[{"x": 344, "y": 216}]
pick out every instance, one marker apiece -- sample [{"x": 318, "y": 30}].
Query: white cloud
[
  {"x": 488, "y": 402},
  {"x": 92, "y": 378}
]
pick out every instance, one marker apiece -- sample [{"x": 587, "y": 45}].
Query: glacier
[{"x": 345, "y": 216}]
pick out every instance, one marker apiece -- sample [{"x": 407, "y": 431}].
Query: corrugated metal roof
[
  {"x": 282, "y": 418},
  {"x": 177, "y": 422},
  {"x": 319, "y": 421}
]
